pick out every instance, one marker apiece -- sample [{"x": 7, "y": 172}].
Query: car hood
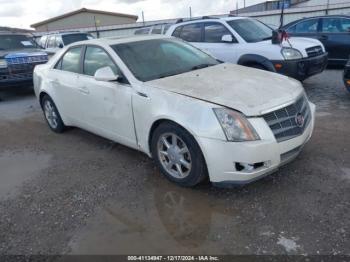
[
  {"x": 22, "y": 52},
  {"x": 250, "y": 91},
  {"x": 302, "y": 44}
]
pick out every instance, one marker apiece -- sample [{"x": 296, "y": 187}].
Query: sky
[{"x": 23, "y": 13}]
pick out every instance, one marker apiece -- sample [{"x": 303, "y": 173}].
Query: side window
[
  {"x": 157, "y": 30},
  {"x": 142, "y": 31},
  {"x": 177, "y": 32},
  {"x": 192, "y": 32},
  {"x": 51, "y": 42},
  {"x": 308, "y": 26},
  {"x": 96, "y": 58},
  {"x": 71, "y": 60},
  {"x": 58, "y": 41},
  {"x": 335, "y": 25},
  {"x": 43, "y": 41},
  {"x": 213, "y": 32},
  {"x": 165, "y": 29}
]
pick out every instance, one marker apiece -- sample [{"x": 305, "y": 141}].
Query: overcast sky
[{"x": 23, "y": 13}]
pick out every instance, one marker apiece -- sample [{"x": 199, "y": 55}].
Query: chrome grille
[
  {"x": 314, "y": 51},
  {"x": 27, "y": 60},
  {"x": 283, "y": 122}
]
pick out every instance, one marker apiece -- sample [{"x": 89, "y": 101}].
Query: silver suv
[{"x": 52, "y": 42}]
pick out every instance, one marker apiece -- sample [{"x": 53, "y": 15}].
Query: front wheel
[{"x": 178, "y": 155}]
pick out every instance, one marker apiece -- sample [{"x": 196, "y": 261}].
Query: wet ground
[{"x": 77, "y": 193}]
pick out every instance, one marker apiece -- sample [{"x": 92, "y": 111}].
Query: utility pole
[
  {"x": 143, "y": 18},
  {"x": 237, "y": 8},
  {"x": 327, "y": 7},
  {"x": 244, "y": 3},
  {"x": 190, "y": 13},
  {"x": 97, "y": 32}
]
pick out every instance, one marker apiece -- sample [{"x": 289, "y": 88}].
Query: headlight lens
[
  {"x": 291, "y": 53},
  {"x": 236, "y": 127},
  {"x": 3, "y": 63}
]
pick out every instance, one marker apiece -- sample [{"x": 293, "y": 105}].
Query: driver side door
[{"x": 107, "y": 105}]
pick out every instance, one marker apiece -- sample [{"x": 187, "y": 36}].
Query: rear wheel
[
  {"x": 52, "y": 115},
  {"x": 178, "y": 155}
]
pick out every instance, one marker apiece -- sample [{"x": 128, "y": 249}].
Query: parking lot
[{"x": 77, "y": 193}]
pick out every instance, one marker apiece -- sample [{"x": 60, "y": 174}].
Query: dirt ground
[{"x": 77, "y": 193}]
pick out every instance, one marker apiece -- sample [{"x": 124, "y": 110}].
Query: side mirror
[
  {"x": 227, "y": 39},
  {"x": 105, "y": 74},
  {"x": 60, "y": 45}
]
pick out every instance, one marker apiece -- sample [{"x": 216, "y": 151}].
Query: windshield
[
  {"x": 158, "y": 58},
  {"x": 72, "y": 38},
  {"x": 251, "y": 30},
  {"x": 8, "y": 42}
]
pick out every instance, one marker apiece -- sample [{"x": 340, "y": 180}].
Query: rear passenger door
[{"x": 335, "y": 35}]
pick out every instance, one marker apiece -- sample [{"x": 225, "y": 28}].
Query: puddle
[
  {"x": 177, "y": 221},
  {"x": 17, "y": 168}
]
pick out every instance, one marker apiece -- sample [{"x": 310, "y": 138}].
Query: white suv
[{"x": 248, "y": 42}]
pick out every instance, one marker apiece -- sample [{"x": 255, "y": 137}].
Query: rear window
[
  {"x": 73, "y": 38},
  {"x": 8, "y": 42}
]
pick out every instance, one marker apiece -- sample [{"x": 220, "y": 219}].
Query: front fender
[{"x": 256, "y": 59}]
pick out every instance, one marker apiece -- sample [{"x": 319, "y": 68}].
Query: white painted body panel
[
  {"x": 126, "y": 113},
  {"x": 232, "y": 52}
]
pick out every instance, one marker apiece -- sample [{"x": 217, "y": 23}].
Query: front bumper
[
  {"x": 302, "y": 68},
  {"x": 225, "y": 159}
]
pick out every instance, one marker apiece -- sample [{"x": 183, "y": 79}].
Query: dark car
[
  {"x": 347, "y": 75},
  {"x": 333, "y": 31},
  {"x": 19, "y": 54}
]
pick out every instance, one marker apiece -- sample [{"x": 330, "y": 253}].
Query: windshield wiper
[
  {"x": 267, "y": 38},
  {"x": 201, "y": 66}
]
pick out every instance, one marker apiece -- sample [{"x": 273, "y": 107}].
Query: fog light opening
[{"x": 243, "y": 167}]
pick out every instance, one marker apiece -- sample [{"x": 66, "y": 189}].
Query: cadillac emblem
[{"x": 300, "y": 120}]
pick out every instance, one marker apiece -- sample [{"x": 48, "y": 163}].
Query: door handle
[
  {"x": 142, "y": 94},
  {"x": 324, "y": 37},
  {"x": 83, "y": 90}
]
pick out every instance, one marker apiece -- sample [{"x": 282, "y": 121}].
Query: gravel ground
[{"x": 77, "y": 193}]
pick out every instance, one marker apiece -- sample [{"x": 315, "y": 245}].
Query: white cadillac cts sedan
[{"x": 197, "y": 117}]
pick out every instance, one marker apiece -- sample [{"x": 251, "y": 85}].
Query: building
[
  {"x": 270, "y": 12},
  {"x": 84, "y": 18}
]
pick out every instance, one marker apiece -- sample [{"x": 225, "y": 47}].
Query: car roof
[
  {"x": 66, "y": 33},
  {"x": 211, "y": 19},
  {"x": 120, "y": 40},
  {"x": 313, "y": 17},
  {"x": 13, "y": 33}
]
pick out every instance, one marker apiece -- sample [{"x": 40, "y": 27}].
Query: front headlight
[
  {"x": 291, "y": 53},
  {"x": 3, "y": 63},
  {"x": 235, "y": 125}
]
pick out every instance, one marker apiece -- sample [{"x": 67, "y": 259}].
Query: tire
[
  {"x": 51, "y": 114},
  {"x": 182, "y": 161}
]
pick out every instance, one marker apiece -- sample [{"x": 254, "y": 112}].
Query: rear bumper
[
  {"x": 263, "y": 157},
  {"x": 302, "y": 68}
]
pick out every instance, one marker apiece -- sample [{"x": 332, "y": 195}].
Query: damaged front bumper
[
  {"x": 302, "y": 69},
  {"x": 243, "y": 163}
]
